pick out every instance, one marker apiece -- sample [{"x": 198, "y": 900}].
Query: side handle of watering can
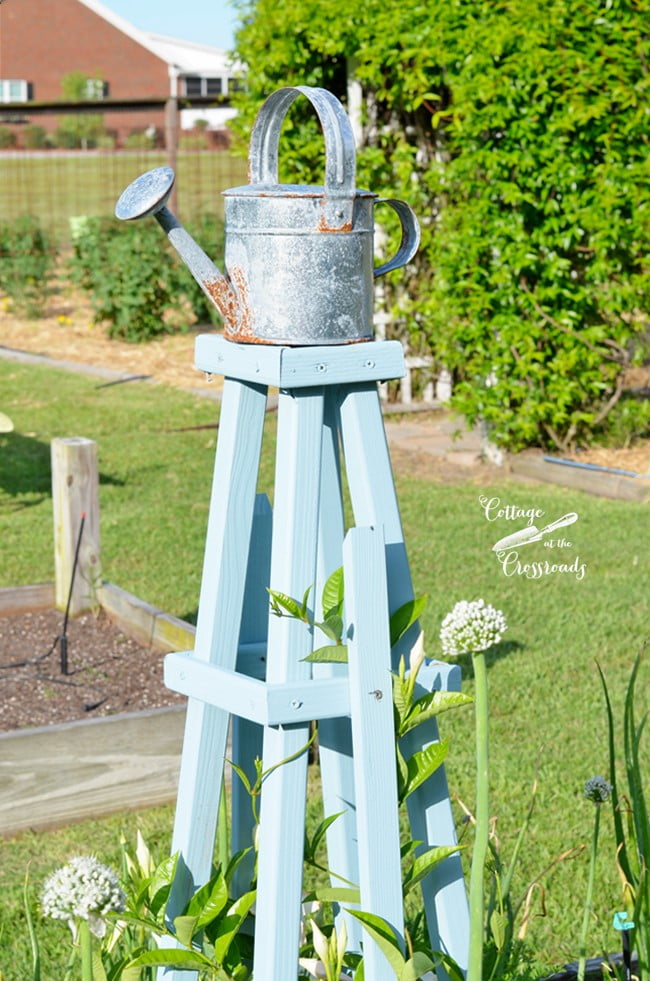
[
  {"x": 410, "y": 236},
  {"x": 340, "y": 152}
]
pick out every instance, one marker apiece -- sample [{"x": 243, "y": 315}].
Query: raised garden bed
[{"x": 89, "y": 765}]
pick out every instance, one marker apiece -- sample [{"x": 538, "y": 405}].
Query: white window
[
  {"x": 13, "y": 90},
  {"x": 96, "y": 88}
]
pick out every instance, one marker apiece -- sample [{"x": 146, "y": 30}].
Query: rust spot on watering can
[
  {"x": 225, "y": 300},
  {"x": 233, "y": 300},
  {"x": 324, "y": 226}
]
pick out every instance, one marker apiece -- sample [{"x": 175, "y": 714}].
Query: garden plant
[{"x": 118, "y": 928}]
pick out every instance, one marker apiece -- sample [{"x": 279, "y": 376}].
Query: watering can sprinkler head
[{"x": 147, "y": 195}]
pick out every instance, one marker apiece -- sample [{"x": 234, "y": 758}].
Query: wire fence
[{"x": 57, "y": 185}]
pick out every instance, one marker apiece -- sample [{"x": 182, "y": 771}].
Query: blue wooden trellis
[{"x": 249, "y": 669}]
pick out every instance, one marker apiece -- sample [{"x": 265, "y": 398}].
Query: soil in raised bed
[{"x": 108, "y": 671}]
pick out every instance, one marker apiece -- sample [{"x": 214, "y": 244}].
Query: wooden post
[
  {"x": 75, "y": 492},
  {"x": 171, "y": 143}
]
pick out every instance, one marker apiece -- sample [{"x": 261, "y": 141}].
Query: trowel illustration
[{"x": 528, "y": 535}]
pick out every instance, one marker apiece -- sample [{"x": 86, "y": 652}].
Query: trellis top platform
[{"x": 300, "y": 367}]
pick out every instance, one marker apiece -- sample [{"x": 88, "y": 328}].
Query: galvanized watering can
[{"x": 299, "y": 258}]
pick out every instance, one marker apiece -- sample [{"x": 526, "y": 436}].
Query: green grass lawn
[
  {"x": 55, "y": 186},
  {"x": 547, "y": 710}
]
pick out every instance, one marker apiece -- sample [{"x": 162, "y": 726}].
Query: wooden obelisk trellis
[{"x": 249, "y": 668}]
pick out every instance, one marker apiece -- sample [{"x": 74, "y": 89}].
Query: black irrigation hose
[
  {"x": 62, "y": 639},
  {"x": 30, "y": 660}
]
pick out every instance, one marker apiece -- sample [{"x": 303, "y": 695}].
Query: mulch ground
[{"x": 108, "y": 672}]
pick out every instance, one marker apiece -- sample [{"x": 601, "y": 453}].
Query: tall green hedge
[{"x": 519, "y": 131}]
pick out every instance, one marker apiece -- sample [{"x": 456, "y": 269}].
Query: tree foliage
[{"x": 519, "y": 132}]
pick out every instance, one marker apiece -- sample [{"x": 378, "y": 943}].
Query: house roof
[{"x": 186, "y": 57}]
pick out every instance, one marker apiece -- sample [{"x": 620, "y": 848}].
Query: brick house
[{"x": 139, "y": 82}]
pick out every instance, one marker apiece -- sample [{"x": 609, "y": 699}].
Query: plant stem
[
  {"x": 588, "y": 898},
  {"x": 86, "y": 945},
  {"x": 479, "y": 855}
]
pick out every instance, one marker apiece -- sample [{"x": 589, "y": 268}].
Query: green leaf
[
  {"x": 145, "y": 922},
  {"x": 450, "y": 966},
  {"x": 280, "y": 601},
  {"x": 405, "y": 617},
  {"x": 161, "y": 883},
  {"x": 422, "y": 764},
  {"x": 332, "y": 894},
  {"x": 33, "y": 939},
  {"x": 402, "y": 775},
  {"x": 188, "y": 960},
  {"x": 431, "y": 705},
  {"x": 424, "y": 864},
  {"x": 332, "y": 599},
  {"x": 243, "y": 776},
  {"x": 416, "y": 966},
  {"x": 332, "y": 627},
  {"x": 498, "y": 924},
  {"x": 99, "y": 974},
  {"x": 235, "y": 862},
  {"x": 311, "y": 846},
  {"x": 231, "y": 924},
  {"x": 407, "y": 849},
  {"x": 185, "y": 928},
  {"x": 331, "y": 653},
  {"x": 303, "y": 605},
  {"x": 208, "y": 901},
  {"x": 131, "y": 973},
  {"x": 384, "y": 936},
  {"x": 401, "y": 698}
]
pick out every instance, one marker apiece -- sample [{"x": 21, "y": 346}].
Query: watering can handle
[
  {"x": 410, "y": 236},
  {"x": 340, "y": 160}
]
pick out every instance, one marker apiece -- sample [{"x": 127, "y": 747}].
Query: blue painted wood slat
[
  {"x": 372, "y": 490},
  {"x": 246, "y": 734},
  {"x": 293, "y": 568},
  {"x": 373, "y": 736},
  {"x": 217, "y": 635},
  {"x": 335, "y": 735}
]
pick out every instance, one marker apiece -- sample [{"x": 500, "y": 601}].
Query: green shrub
[
  {"x": 35, "y": 137},
  {"x": 106, "y": 141},
  {"x": 628, "y": 421},
  {"x": 7, "y": 138},
  {"x": 142, "y": 140},
  {"x": 26, "y": 258},
  {"x": 79, "y": 131},
  {"x": 193, "y": 141},
  {"x": 137, "y": 283},
  {"x": 518, "y": 133}
]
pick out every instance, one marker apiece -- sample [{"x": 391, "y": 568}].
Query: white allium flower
[
  {"x": 597, "y": 790},
  {"x": 471, "y": 627},
  {"x": 83, "y": 889}
]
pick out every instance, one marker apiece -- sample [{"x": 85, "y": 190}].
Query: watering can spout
[{"x": 148, "y": 195}]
